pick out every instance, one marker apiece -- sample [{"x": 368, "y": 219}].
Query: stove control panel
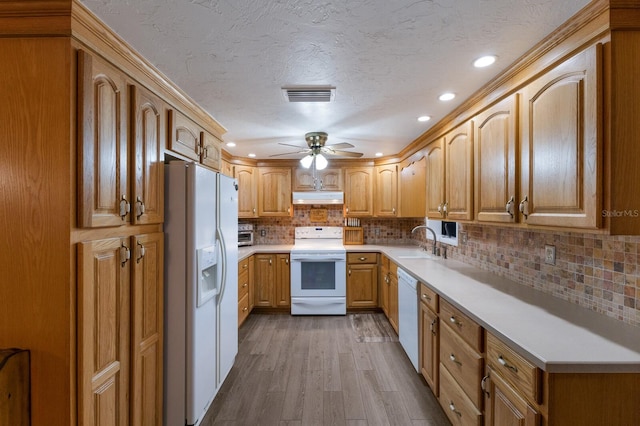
[{"x": 318, "y": 232}]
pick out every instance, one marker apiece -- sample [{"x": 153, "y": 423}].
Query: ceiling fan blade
[
  {"x": 343, "y": 153},
  {"x": 341, "y": 145},
  {"x": 295, "y": 146},
  {"x": 303, "y": 151}
]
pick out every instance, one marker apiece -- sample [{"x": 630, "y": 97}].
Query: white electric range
[{"x": 318, "y": 271}]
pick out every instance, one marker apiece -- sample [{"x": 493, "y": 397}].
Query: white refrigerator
[{"x": 201, "y": 288}]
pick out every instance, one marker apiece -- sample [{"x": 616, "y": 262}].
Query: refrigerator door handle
[{"x": 223, "y": 250}]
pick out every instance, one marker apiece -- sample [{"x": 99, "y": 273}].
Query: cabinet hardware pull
[
  {"x": 254, "y": 210},
  {"x": 503, "y": 362},
  {"x": 432, "y": 326},
  {"x": 453, "y": 320},
  {"x": 444, "y": 208},
  {"x": 245, "y": 285},
  {"x": 245, "y": 309},
  {"x": 452, "y": 407},
  {"x": 139, "y": 207},
  {"x": 510, "y": 205},
  {"x": 523, "y": 207},
  {"x": 286, "y": 261},
  {"x": 197, "y": 149},
  {"x": 245, "y": 266},
  {"x": 483, "y": 386},
  {"x": 440, "y": 209},
  {"x": 362, "y": 259},
  {"x": 393, "y": 210},
  {"x": 269, "y": 261},
  {"x": 125, "y": 207},
  {"x": 141, "y": 252},
  {"x": 453, "y": 359},
  {"x": 349, "y": 271},
  {"x": 205, "y": 152},
  {"x": 426, "y": 296},
  {"x": 125, "y": 254},
  {"x": 347, "y": 209}
]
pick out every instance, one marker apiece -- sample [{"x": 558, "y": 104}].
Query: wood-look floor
[{"x": 322, "y": 370}]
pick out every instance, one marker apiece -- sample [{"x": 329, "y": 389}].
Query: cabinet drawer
[
  {"x": 243, "y": 309},
  {"x": 455, "y": 402},
  {"x": 243, "y": 284},
  {"x": 468, "y": 329},
  {"x": 362, "y": 258},
  {"x": 513, "y": 368},
  {"x": 465, "y": 365},
  {"x": 429, "y": 297},
  {"x": 243, "y": 265}
]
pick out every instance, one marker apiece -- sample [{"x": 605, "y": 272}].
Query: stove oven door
[{"x": 318, "y": 275}]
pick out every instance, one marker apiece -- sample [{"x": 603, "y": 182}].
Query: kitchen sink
[{"x": 411, "y": 254}]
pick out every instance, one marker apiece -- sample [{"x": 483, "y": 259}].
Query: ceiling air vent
[{"x": 309, "y": 93}]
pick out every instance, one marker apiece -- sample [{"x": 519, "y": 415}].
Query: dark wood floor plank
[
  {"x": 353, "y": 406},
  {"x": 395, "y": 408},
  {"x": 313, "y": 400},
  {"x": 294, "y": 393},
  {"x": 372, "y": 399}
]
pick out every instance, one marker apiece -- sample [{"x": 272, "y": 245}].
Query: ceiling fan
[{"x": 316, "y": 148}]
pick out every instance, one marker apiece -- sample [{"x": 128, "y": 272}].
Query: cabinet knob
[
  {"x": 426, "y": 296},
  {"x": 245, "y": 309},
  {"x": 454, "y": 320},
  {"x": 362, "y": 259},
  {"x": 349, "y": 271},
  {"x": 245, "y": 285},
  {"x": 453, "y": 359}
]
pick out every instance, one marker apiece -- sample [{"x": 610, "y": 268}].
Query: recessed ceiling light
[
  {"x": 252, "y": 155},
  {"x": 231, "y": 144},
  {"x": 378, "y": 154},
  {"x": 424, "y": 118},
  {"x": 446, "y": 96},
  {"x": 484, "y": 61}
]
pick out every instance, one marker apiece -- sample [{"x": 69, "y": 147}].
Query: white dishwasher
[{"x": 408, "y": 315}]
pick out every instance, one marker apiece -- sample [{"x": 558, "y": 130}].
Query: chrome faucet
[{"x": 434, "y": 250}]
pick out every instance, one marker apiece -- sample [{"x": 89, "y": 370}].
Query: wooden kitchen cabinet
[
  {"x": 393, "y": 295},
  {"x": 560, "y": 145},
  {"x": 147, "y": 132},
  {"x": 244, "y": 286},
  {"x": 383, "y": 285},
  {"x": 386, "y": 193},
  {"x": 103, "y": 187},
  {"x": 147, "y": 325},
  {"x": 211, "y": 151},
  {"x": 185, "y": 136},
  {"x": 272, "y": 286},
  {"x": 104, "y": 272},
  {"x": 429, "y": 337},
  {"x": 461, "y": 366},
  {"x": 495, "y": 164},
  {"x": 413, "y": 188},
  {"x": 449, "y": 170},
  {"x": 247, "y": 177},
  {"x": 504, "y": 405},
  {"x": 274, "y": 192},
  {"x": 358, "y": 191},
  {"x": 362, "y": 280},
  {"x": 226, "y": 168},
  {"x": 325, "y": 180}
]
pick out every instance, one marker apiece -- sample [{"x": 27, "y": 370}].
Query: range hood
[{"x": 318, "y": 197}]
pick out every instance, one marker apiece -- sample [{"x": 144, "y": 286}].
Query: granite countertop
[{"x": 555, "y": 335}]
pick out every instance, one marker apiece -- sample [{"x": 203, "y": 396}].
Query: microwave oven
[{"x": 245, "y": 234}]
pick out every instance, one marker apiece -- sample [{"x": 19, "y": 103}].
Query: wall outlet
[
  {"x": 376, "y": 231},
  {"x": 550, "y": 255},
  {"x": 263, "y": 232},
  {"x": 463, "y": 237}
]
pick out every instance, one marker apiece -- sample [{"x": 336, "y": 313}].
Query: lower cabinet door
[
  {"x": 504, "y": 406},
  {"x": 103, "y": 332}
]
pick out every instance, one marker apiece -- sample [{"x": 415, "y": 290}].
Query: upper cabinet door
[
  {"x": 561, "y": 167},
  {"x": 413, "y": 189},
  {"x": 148, "y": 135},
  {"x": 459, "y": 173},
  {"x": 102, "y": 144},
  {"x": 274, "y": 195},
  {"x": 496, "y": 199},
  {"x": 185, "y": 136},
  {"x": 247, "y": 178},
  {"x": 358, "y": 191},
  {"x": 327, "y": 180},
  {"x": 386, "y": 200},
  {"x": 434, "y": 167},
  {"x": 211, "y": 150}
]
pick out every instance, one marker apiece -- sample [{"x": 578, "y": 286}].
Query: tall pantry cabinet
[{"x": 84, "y": 136}]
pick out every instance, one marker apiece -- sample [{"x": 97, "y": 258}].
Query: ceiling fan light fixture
[
  {"x": 321, "y": 162},
  {"x": 306, "y": 161}
]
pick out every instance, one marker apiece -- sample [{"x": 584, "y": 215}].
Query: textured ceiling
[{"x": 388, "y": 59}]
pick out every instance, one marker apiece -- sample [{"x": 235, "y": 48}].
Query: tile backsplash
[{"x": 595, "y": 271}]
